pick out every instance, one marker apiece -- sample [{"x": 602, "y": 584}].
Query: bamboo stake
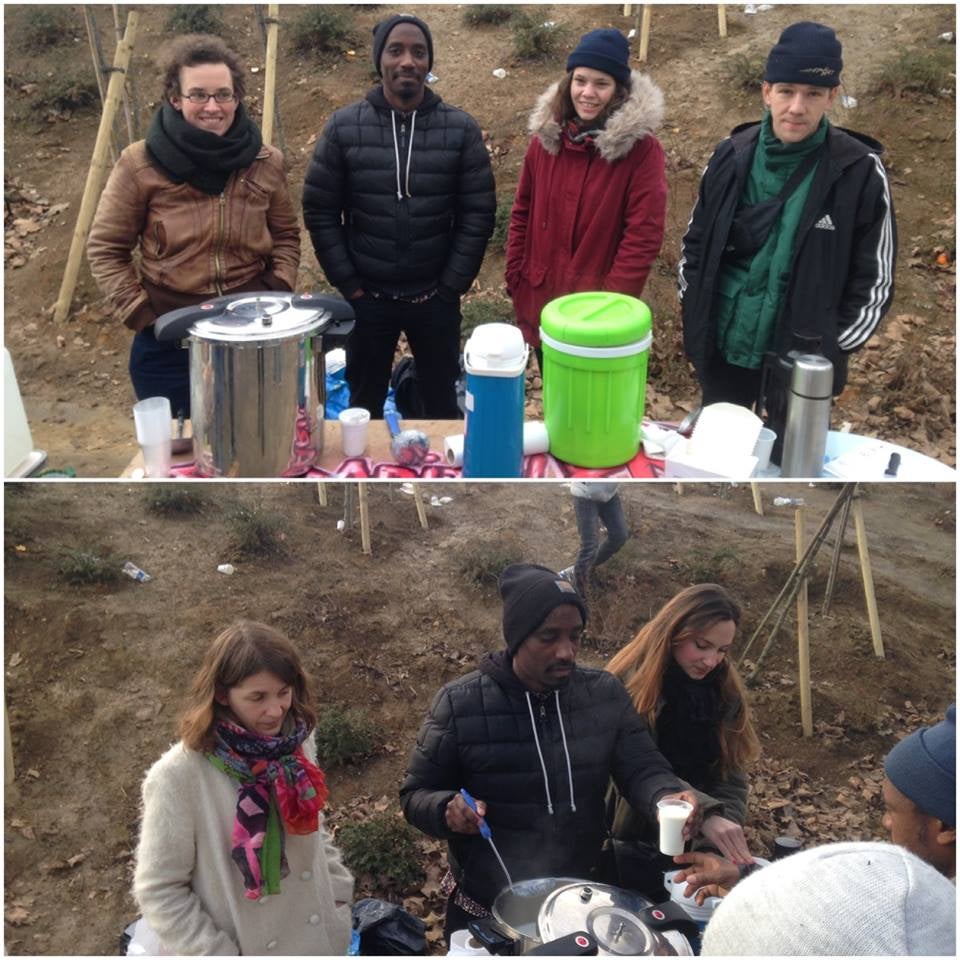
[
  {"x": 722, "y": 19},
  {"x": 364, "y": 518},
  {"x": 645, "y": 32},
  {"x": 421, "y": 511},
  {"x": 8, "y": 771},
  {"x": 270, "y": 82},
  {"x": 93, "y": 38},
  {"x": 128, "y": 81},
  {"x": 349, "y": 505},
  {"x": 835, "y": 559},
  {"x": 803, "y": 630},
  {"x": 787, "y": 591},
  {"x": 757, "y": 499},
  {"x": 97, "y": 172},
  {"x": 867, "y": 574},
  {"x": 322, "y": 493}
]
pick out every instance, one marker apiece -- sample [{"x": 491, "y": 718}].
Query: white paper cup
[
  {"x": 152, "y": 419},
  {"x": 763, "y": 449},
  {"x": 354, "y": 424},
  {"x": 156, "y": 458},
  {"x": 672, "y": 814}
]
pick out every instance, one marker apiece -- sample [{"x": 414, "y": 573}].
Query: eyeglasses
[{"x": 200, "y": 98}]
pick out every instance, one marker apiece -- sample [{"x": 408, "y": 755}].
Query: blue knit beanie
[
  {"x": 606, "y": 50},
  {"x": 923, "y": 767},
  {"x": 807, "y": 53}
]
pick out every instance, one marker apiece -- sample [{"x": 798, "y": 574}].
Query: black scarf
[
  {"x": 688, "y": 726},
  {"x": 203, "y": 159}
]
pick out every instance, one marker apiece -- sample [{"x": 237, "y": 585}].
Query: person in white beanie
[{"x": 847, "y": 899}]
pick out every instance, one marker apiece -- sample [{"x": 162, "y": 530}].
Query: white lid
[{"x": 496, "y": 346}]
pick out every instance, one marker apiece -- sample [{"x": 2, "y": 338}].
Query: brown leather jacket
[{"x": 190, "y": 242}]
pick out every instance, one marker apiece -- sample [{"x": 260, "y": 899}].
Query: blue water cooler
[{"x": 495, "y": 359}]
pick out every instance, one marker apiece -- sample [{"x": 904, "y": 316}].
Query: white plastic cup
[
  {"x": 157, "y": 459},
  {"x": 763, "y": 449},
  {"x": 153, "y": 420},
  {"x": 672, "y": 814},
  {"x": 354, "y": 424}
]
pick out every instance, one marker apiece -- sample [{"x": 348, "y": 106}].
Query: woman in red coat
[{"x": 591, "y": 201}]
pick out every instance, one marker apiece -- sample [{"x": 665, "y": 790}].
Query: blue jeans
[
  {"x": 160, "y": 370},
  {"x": 590, "y": 514}
]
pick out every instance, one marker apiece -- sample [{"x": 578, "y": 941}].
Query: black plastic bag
[{"x": 387, "y": 929}]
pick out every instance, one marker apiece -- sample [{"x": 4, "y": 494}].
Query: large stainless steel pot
[
  {"x": 534, "y": 912},
  {"x": 257, "y": 379}
]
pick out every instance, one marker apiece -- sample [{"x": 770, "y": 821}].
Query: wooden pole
[
  {"x": 722, "y": 19},
  {"x": 757, "y": 499},
  {"x": 322, "y": 493},
  {"x": 803, "y": 631},
  {"x": 93, "y": 38},
  {"x": 364, "y": 517},
  {"x": 128, "y": 81},
  {"x": 645, "y": 32},
  {"x": 270, "y": 81},
  {"x": 835, "y": 559},
  {"x": 8, "y": 771},
  {"x": 867, "y": 574},
  {"x": 97, "y": 173},
  {"x": 421, "y": 510}
]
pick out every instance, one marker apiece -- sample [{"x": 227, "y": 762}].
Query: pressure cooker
[
  {"x": 580, "y": 917},
  {"x": 257, "y": 373}
]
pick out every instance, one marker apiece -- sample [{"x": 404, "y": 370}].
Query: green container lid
[{"x": 596, "y": 319}]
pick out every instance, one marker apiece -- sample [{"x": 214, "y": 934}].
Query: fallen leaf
[
  {"x": 34, "y": 773},
  {"x": 18, "y": 917},
  {"x": 16, "y": 659},
  {"x": 76, "y": 858},
  {"x": 20, "y": 548}
]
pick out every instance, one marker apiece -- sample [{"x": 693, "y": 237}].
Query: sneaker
[{"x": 566, "y": 574}]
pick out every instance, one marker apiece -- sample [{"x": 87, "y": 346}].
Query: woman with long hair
[
  {"x": 204, "y": 204},
  {"x": 678, "y": 672},
  {"x": 591, "y": 201},
  {"x": 233, "y": 854}
]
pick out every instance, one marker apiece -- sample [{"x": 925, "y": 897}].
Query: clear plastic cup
[
  {"x": 672, "y": 814},
  {"x": 153, "y": 420},
  {"x": 763, "y": 449},
  {"x": 354, "y": 424}
]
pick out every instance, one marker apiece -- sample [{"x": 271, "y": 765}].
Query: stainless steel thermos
[{"x": 808, "y": 416}]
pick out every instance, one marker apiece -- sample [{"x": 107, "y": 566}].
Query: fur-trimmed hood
[{"x": 640, "y": 115}]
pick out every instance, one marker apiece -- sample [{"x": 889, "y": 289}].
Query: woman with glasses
[{"x": 203, "y": 202}]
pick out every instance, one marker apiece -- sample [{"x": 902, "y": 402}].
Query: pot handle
[{"x": 176, "y": 324}]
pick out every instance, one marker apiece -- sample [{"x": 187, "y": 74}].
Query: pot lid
[
  {"x": 256, "y": 318},
  {"x": 607, "y": 913}
]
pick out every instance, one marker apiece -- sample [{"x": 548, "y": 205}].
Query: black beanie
[
  {"x": 382, "y": 30},
  {"x": 807, "y": 53},
  {"x": 606, "y": 50},
  {"x": 529, "y": 593}
]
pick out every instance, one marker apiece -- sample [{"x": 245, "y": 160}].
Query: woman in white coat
[{"x": 233, "y": 855}]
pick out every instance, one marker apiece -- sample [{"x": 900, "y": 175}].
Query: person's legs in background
[
  {"x": 725, "y": 383},
  {"x": 370, "y": 349},
  {"x": 160, "y": 370},
  {"x": 612, "y": 518},
  {"x": 588, "y": 526},
  {"x": 433, "y": 332}
]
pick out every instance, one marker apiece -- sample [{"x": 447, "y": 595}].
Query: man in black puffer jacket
[
  {"x": 399, "y": 200},
  {"x": 535, "y": 739}
]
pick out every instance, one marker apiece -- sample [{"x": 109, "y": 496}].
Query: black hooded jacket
[
  {"x": 400, "y": 203},
  {"x": 841, "y": 276},
  {"x": 541, "y": 764}
]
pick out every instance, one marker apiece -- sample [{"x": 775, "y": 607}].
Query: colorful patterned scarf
[{"x": 280, "y": 789}]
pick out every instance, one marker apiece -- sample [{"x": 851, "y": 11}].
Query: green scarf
[{"x": 749, "y": 294}]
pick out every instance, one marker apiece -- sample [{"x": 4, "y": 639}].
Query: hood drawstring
[
  {"x": 396, "y": 151},
  {"x": 566, "y": 752}
]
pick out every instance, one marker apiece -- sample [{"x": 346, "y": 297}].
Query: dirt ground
[
  {"x": 73, "y": 376},
  {"x": 94, "y": 674}
]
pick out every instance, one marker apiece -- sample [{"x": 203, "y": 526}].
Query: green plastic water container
[{"x": 595, "y": 350}]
